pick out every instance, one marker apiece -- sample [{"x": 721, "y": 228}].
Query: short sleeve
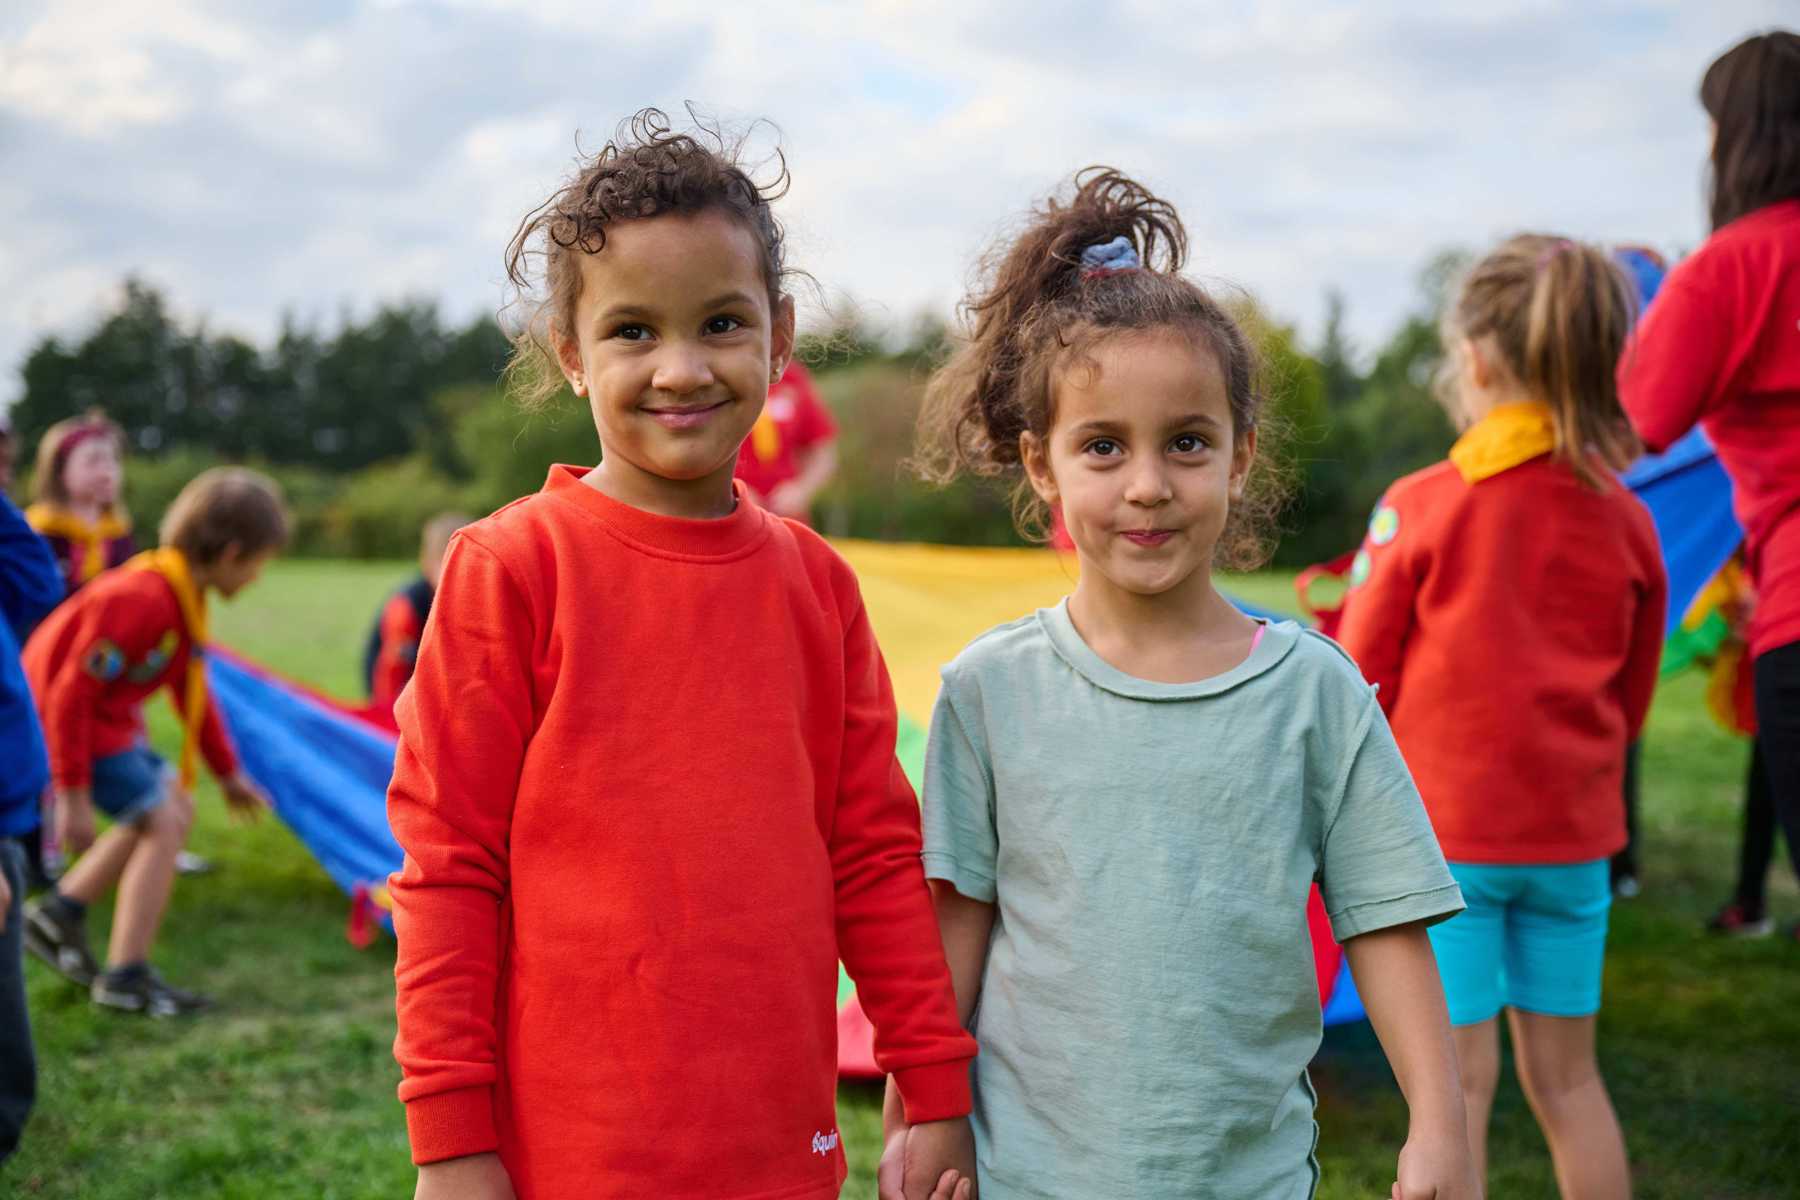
[
  {"x": 960, "y": 843},
  {"x": 1381, "y": 865}
]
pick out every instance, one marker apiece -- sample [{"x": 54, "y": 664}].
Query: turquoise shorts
[{"x": 1532, "y": 938}]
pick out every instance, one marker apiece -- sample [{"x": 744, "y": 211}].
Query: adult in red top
[
  {"x": 1721, "y": 348},
  {"x": 792, "y": 449}
]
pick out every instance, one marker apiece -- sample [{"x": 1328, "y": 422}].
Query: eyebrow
[
  {"x": 1102, "y": 426},
  {"x": 638, "y": 312}
]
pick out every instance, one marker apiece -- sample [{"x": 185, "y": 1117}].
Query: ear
[
  {"x": 568, "y": 357},
  {"x": 781, "y": 337},
  {"x": 1036, "y": 459},
  {"x": 1243, "y": 454},
  {"x": 1476, "y": 363}
]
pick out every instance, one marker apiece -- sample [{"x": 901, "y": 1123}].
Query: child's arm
[
  {"x": 1397, "y": 978},
  {"x": 966, "y": 926},
  {"x": 31, "y": 582},
  {"x": 464, "y": 727},
  {"x": 1378, "y": 609},
  {"x": 1647, "y": 639}
]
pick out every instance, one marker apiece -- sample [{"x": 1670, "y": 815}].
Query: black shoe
[
  {"x": 59, "y": 938},
  {"x": 139, "y": 989}
]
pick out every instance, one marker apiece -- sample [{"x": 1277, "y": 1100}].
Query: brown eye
[{"x": 1188, "y": 443}]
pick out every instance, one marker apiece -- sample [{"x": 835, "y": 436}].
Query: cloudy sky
[{"x": 305, "y": 156}]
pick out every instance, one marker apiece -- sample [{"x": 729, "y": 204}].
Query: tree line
[{"x": 378, "y": 422}]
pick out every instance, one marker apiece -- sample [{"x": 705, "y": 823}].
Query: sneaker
[
  {"x": 139, "y": 989},
  {"x": 59, "y": 938},
  {"x": 1734, "y": 920},
  {"x": 189, "y": 863},
  {"x": 1625, "y": 887}
]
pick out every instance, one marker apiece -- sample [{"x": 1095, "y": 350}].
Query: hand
[
  {"x": 1436, "y": 1167},
  {"x": 74, "y": 819},
  {"x": 786, "y": 500},
  {"x": 476, "y": 1177},
  {"x": 933, "y": 1161},
  {"x": 245, "y": 800}
]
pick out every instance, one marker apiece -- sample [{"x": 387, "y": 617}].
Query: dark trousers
[
  {"x": 1758, "y": 846},
  {"x": 1625, "y": 862},
  {"x": 1778, "y": 736},
  {"x": 18, "y": 1065}
]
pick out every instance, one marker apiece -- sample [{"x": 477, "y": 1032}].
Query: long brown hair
[
  {"x": 1752, "y": 93},
  {"x": 646, "y": 170},
  {"x": 1038, "y": 311},
  {"x": 1557, "y": 311}
]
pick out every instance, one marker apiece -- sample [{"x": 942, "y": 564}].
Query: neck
[
  {"x": 1478, "y": 403},
  {"x": 1174, "y": 636},
  {"x": 88, "y": 510},
  {"x": 706, "y": 498}
]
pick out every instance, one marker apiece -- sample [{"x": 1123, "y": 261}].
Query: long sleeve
[
  {"x": 1647, "y": 636},
  {"x": 108, "y": 634},
  {"x": 1678, "y": 362},
  {"x": 1378, "y": 611},
  {"x": 464, "y": 728},
  {"x": 398, "y": 651},
  {"x": 886, "y": 928},
  {"x": 31, "y": 582}
]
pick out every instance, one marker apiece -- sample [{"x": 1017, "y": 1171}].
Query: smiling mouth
[
  {"x": 686, "y": 416},
  {"x": 1147, "y": 537}
]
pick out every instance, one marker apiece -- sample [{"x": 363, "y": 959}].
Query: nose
[
  {"x": 1147, "y": 485},
  {"x": 681, "y": 368}
]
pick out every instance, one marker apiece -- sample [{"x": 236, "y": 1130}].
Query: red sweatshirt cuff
[
  {"x": 939, "y": 1092},
  {"x": 451, "y": 1124}
]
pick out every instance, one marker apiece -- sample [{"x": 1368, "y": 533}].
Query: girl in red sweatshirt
[
  {"x": 1509, "y": 604},
  {"x": 1721, "y": 349},
  {"x": 646, "y": 782}
]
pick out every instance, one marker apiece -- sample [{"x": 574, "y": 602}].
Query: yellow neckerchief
[
  {"x": 1508, "y": 435},
  {"x": 172, "y": 565},
  {"x": 53, "y": 520},
  {"x": 765, "y": 437}
]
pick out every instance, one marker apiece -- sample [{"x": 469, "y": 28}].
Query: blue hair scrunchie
[{"x": 1116, "y": 255}]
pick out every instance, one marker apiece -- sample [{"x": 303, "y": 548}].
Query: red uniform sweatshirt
[
  {"x": 1514, "y": 625},
  {"x": 95, "y": 660},
  {"x": 1721, "y": 347},
  {"x": 647, "y": 792}
]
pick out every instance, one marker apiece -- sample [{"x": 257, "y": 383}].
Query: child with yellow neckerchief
[
  {"x": 92, "y": 664},
  {"x": 75, "y": 492}
]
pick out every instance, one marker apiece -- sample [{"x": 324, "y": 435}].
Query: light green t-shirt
[{"x": 1149, "y": 1002}]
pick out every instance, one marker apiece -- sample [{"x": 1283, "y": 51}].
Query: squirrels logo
[{"x": 825, "y": 1143}]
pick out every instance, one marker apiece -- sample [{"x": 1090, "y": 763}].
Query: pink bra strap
[{"x": 1262, "y": 627}]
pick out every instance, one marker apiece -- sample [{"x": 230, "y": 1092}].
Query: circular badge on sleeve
[
  {"x": 1384, "y": 525},
  {"x": 104, "y": 661},
  {"x": 1359, "y": 567}
]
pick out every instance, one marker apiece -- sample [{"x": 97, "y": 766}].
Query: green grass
[{"x": 289, "y": 1091}]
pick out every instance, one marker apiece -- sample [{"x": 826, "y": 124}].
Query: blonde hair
[
  {"x": 222, "y": 508},
  {"x": 1557, "y": 312},
  {"x": 53, "y": 453}
]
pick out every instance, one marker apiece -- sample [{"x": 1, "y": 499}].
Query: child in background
[
  {"x": 30, "y": 586},
  {"x": 1508, "y": 603},
  {"x": 9, "y": 454},
  {"x": 75, "y": 488},
  {"x": 1720, "y": 349},
  {"x": 646, "y": 782},
  {"x": 92, "y": 664},
  {"x": 1129, "y": 796},
  {"x": 393, "y": 647},
  {"x": 791, "y": 452}
]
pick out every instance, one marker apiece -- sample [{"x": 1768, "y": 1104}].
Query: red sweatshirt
[
  {"x": 1721, "y": 347},
  {"x": 1514, "y": 628},
  {"x": 94, "y": 661},
  {"x": 647, "y": 792}
]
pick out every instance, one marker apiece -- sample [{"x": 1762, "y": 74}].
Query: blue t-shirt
[
  {"x": 30, "y": 586},
  {"x": 1149, "y": 1001}
]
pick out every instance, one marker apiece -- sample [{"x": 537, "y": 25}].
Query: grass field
[{"x": 288, "y": 1091}]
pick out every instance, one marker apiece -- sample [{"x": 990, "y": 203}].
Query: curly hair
[
  {"x": 1037, "y": 312},
  {"x": 646, "y": 170}
]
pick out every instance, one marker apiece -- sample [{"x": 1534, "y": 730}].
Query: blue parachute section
[{"x": 1689, "y": 498}]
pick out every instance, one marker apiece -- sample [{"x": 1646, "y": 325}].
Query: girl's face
[
  {"x": 1142, "y": 458},
  {"x": 675, "y": 345},
  {"x": 92, "y": 473}
]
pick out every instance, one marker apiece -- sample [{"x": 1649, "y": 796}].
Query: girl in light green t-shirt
[{"x": 1128, "y": 797}]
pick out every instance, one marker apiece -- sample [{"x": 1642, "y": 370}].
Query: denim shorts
[
  {"x": 127, "y": 785},
  {"x": 1532, "y": 938}
]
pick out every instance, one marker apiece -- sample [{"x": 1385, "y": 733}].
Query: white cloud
[{"x": 312, "y": 154}]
